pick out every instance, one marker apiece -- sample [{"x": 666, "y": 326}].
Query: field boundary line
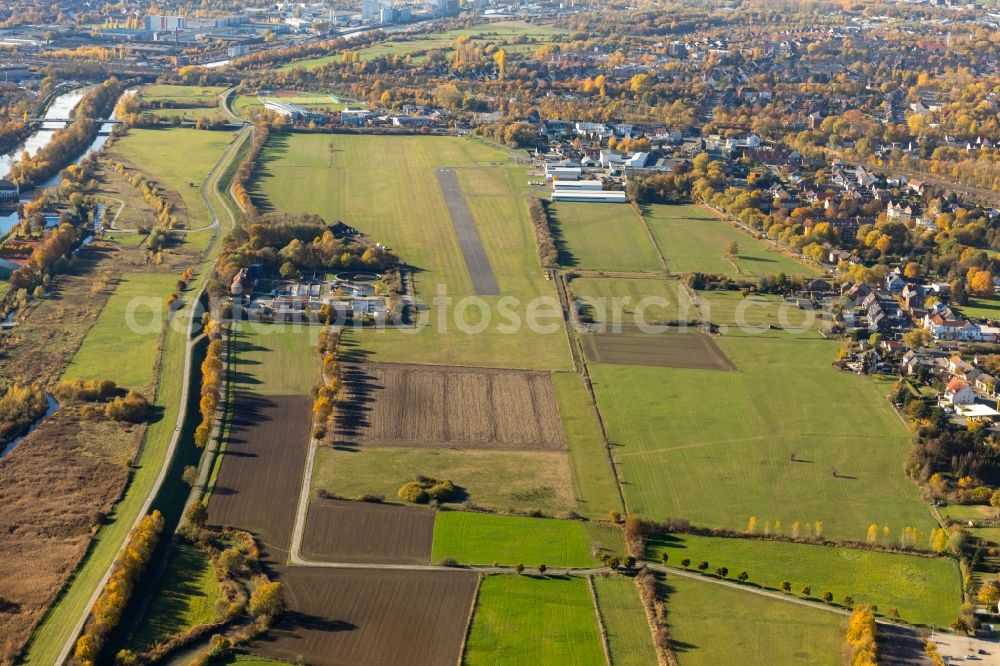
[
  {"x": 582, "y": 370},
  {"x": 600, "y": 621},
  {"x": 637, "y": 209},
  {"x": 468, "y": 620}
]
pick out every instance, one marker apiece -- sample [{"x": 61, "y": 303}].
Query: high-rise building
[
  {"x": 371, "y": 10},
  {"x": 160, "y": 23}
]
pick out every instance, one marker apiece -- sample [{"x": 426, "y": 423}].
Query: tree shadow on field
[
  {"x": 352, "y": 352},
  {"x": 249, "y": 409},
  {"x": 292, "y": 623},
  {"x": 565, "y": 256},
  {"x": 277, "y": 149},
  {"x": 353, "y": 409},
  {"x": 664, "y": 590}
]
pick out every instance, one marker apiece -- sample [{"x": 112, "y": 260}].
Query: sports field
[
  {"x": 711, "y": 625},
  {"x": 130, "y": 326},
  {"x": 311, "y": 101},
  {"x": 388, "y": 188},
  {"x": 178, "y": 159},
  {"x": 483, "y": 538},
  {"x": 602, "y": 237},
  {"x": 716, "y": 447},
  {"x": 525, "y": 620},
  {"x": 924, "y": 590},
  {"x": 630, "y": 640},
  {"x": 692, "y": 238}
]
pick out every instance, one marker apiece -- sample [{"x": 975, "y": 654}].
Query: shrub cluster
[
  {"x": 111, "y": 603},
  {"x": 132, "y": 408},
  {"x": 92, "y": 390},
  {"x": 423, "y": 490}
]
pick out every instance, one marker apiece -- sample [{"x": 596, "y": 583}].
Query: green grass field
[
  {"x": 524, "y": 620},
  {"x": 925, "y": 590},
  {"x": 603, "y": 237},
  {"x": 630, "y": 640},
  {"x": 388, "y": 188},
  {"x": 519, "y": 480},
  {"x": 504, "y": 33},
  {"x": 129, "y": 327},
  {"x": 711, "y": 625},
  {"x": 652, "y": 300},
  {"x": 692, "y": 238},
  {"x": 981, "y": 308},
  {"x": 715, "y": 447},
  {"x": 484, "y": 538},
  {"x": 187, "y": 598},
  {"x": 593, "y": 478},
  {"x": 282, "y": 357},
  {"x": 187, "y": 98},
  {"x": 178, "y": 159}
]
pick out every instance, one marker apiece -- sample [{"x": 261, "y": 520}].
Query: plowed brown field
[
  {"x": 340, "y": 531},
  {"x": 346, "y": 617},
  {"x": 421, "y": 405},
  {"x": 261, "y": 472}
]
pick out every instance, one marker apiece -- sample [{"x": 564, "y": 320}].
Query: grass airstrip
[{"x": 388, "y": 188}]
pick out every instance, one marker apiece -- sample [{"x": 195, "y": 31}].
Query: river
[{"x": 61, "y": 107}]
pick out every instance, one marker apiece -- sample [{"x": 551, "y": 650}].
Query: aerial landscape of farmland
[{"x": 646, "y": 333}]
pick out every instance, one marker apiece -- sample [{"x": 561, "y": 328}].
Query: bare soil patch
[
  {"x": 258, "y": 485},
  {"x": 341, "y": 617},
  {"x": 673, "y": 348},
  {"x": 438, "y": 406},
  {"x": 342, "y": 531}
]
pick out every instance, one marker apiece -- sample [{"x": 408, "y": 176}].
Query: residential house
[{"x": 958, "y": 392}]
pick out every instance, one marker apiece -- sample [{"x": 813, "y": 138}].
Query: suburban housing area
[{"x": 500, "y": 332}]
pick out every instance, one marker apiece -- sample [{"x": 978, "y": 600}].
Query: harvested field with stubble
[
  {"x": 371, "y": 617},
  {"x": 343, "y": 531},
  {"x": 673, "y": 348},
  {"x": 261, "y": 475},
  {"x": 419, "y": 405}
]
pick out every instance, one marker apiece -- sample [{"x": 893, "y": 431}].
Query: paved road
[
  {"x": 484, "y": 282},
  {"x": 175, "y": 437}
]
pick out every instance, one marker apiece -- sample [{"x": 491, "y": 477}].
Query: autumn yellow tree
[{"x": 980, "y": 282}]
